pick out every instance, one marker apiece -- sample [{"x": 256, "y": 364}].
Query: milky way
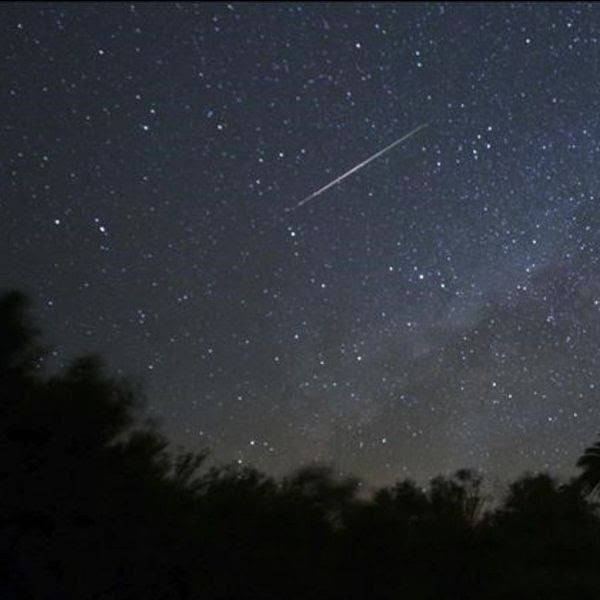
[{"x": 440, "y": 310}]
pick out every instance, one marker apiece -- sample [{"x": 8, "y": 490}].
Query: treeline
[{"x": 94, "y": 505}]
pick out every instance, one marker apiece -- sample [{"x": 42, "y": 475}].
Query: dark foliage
[
  {"x": 590, "y": 465},
  {"x": 93, "y": 505}
]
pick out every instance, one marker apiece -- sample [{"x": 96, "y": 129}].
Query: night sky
[{"x": 437, "y": 309}]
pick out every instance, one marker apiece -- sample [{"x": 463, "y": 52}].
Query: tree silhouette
[
  {"x": 95, "y": 505},
  {"x": 20, "y": 350},
  {"x": 545, "y": 541},
  {"x": 80, "y": 483},
  {"x": 589, "y": 462}
]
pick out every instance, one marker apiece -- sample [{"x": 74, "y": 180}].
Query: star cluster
[{"x": 439, "y": 308}]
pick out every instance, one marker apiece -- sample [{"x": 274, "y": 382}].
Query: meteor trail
[{"x": 358, "y": 166}]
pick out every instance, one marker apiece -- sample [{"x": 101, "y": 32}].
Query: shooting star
[{"x": 358, "y": 166}]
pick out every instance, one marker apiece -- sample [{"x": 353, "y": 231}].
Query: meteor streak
[{"x": 358, "y": 166}]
